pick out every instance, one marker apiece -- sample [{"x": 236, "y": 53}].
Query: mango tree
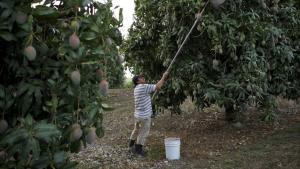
[
  {"x": 54, "y": 57},
  {"x": 246, "y": 52}
]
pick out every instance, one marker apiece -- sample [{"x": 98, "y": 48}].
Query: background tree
[
  {"x": 51, "y": 56},
  {"x": 243, "y": 53}
]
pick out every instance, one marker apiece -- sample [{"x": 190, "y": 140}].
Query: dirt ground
[{"x": 207, "y": 140}]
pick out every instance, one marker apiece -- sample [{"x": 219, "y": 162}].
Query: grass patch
[
  {"x": 282, "y": 150},
  {"x": 156, "y": 152}
]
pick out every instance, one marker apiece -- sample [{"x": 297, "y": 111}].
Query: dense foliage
[
  {"x": 53, "y": 55},
  {"x": 243, "y": 53}
]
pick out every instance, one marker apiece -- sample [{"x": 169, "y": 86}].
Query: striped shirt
[{"x": 142, "y": 100}]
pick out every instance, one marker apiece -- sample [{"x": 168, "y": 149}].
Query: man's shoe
[
  {"x": 139, "y": 150},
  {"x": 131, "y": 146},
  {"x": 131, "y": 143}
]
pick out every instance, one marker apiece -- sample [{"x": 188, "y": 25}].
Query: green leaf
[
  {"x": 6, "y": 4},
  {"x": 38, "y": 95},
  {"x": 54, "y": 102},
  {"x": 28, "y": 120},
  {"x": 92, "y": 113},
  {"x": 46, "y": 132},
  {"x": 15, "y": 136},
  {"x": 6, "y": 13},
  {"x": 45, "y": 11},
  {"x": 73, "y": 54},
  {"x": 26, "y": 103},
  {"x": 80, "y": 52},
  {"x": 212, "y": 30},
  {"x": 89, "y": 35},
  {"x": 70, "y": 91},
  {"x": 35, "y": 146},
  {"x": 22, "y": 88},
  {"x": 98, "y": 51},
  {"x": 32, "y": 145},
  {"x": 8, "y": 36},
  {"x": 26, "y": 26},
  {"x": 95, "y": 28}
]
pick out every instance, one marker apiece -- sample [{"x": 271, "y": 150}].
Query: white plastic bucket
[{"x": 172, "y": 146}]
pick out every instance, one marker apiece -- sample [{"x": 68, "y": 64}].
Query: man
[{"x": 142, "y": 111}]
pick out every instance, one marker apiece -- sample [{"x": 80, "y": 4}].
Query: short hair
[{"x": 135, "y": 79}]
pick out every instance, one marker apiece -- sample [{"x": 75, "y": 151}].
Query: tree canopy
[
  {"x": 246, "y": 52},
  {"x": 53, "y": 56}
]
